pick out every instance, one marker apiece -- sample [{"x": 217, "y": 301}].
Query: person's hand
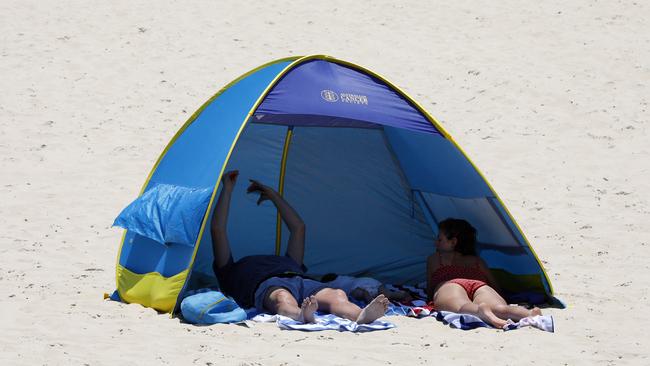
[
  {"x": 229, "y": 179},
  {"x": 265, "y": 191}
]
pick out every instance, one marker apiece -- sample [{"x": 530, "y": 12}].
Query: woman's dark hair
[{"x": 464, "y": 233}]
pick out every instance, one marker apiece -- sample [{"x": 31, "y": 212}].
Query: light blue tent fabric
[
  {"x": 194, "y": 159},
  {"x": 368, "y": 170},
  {"x": 167, "y": 214}
]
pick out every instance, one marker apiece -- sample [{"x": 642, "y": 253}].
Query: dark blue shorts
[{"x": 299, "y": 287}]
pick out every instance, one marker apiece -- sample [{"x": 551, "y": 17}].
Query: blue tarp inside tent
[{"x": 369, "y": 171}]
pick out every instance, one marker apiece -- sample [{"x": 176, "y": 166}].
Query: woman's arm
[{"x": 491, "y": 280}]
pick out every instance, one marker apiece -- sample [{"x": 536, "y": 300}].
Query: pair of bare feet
[
  {"x": 486, "y": 314},
  {"x": 373, "y": 311}
]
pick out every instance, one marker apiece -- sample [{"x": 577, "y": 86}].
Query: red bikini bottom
[{"x": 470, "y": 286}]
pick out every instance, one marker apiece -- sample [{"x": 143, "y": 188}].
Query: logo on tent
[
  {"x": 354, "y": 98},
  {"x": 329, "y": 95}
]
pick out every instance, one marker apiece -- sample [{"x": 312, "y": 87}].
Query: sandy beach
[{"x": 549, "y": 100}]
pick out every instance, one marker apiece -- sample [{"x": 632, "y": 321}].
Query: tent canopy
[{"x": 370, "y": 172}]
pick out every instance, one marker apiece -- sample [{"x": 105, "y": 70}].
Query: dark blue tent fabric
[{"x": 319, "y": 91}]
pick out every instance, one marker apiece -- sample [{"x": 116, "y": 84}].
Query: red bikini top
[{"x": 445, "y": 273}]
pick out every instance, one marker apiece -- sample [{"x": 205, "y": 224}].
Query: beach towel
[
  {"x": 420, "y": 309},
  {"x": 323, "y": 322},
  {"x": 416, "y": 308},
  {"x": 467, "y": 321}
]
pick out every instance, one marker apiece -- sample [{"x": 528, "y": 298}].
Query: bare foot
[
  {"x": 535, "y": 311},
  {"x": 307, "y": 310},
  {"x": 486, "y": 314},
  {"x": 373, "y": 311}
]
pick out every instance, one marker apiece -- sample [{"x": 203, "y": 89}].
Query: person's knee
[
  {"x": 333, "y": 295},
  {"x": 463, "y": 307},
  {"x": 281, "y": 298},
  {"x": 483, "y": 306},
  {"x": 285, "y": 296},
  {"x": 339, "y": 295}
]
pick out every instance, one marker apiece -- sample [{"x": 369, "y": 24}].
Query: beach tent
[{"x": 368, "y": 169}]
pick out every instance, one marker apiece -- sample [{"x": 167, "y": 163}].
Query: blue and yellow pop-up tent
[{"x": 368, "y": 169}]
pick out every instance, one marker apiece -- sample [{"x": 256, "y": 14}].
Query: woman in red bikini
[{"x": 459, "y": 281}]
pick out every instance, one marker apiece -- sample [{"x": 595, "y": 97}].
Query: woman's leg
[
  {"x": 487, "y": 295},
  {"x": 453, "y": 297}
]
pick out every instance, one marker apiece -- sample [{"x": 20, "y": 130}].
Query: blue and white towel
[
  {"x": 420, "y": 309},
  {"x": 323, "y": 322},
  {"x": 467, "y": 321}
]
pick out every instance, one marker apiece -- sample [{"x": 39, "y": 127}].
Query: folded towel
[{"x": 323, "y": 322}]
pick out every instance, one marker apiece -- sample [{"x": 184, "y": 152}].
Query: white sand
[{"x": 550, "y": 101}]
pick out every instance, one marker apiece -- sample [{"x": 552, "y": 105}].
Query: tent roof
[{"x": 323, "y": 93}]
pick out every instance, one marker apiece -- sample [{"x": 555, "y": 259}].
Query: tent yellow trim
[
  {"x": 177, "y": 135},
  {"x": 117, "y": 264},
  {"x": 150, "y": 289},
  {"x": 283, "y": 169}
]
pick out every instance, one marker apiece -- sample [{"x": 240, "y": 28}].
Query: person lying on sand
[
  {"x": 273, "y": 283},
  {"x": 460, "y": 281}
]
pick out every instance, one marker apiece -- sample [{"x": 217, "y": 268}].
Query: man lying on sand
[{"x": 273, "y": 283}]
